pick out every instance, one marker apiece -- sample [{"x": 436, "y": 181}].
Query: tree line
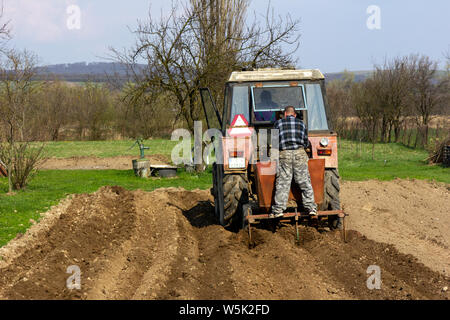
[
  {"x": 55, "y": 110},
  {"x": 396, "y": 103}
]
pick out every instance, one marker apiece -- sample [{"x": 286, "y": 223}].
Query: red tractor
[{"x": 244, "y": 181}]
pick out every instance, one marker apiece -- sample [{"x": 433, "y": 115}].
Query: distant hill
[
  {"x": 359, "y": 75},
  {"x": 83, "y": 71},
  {"x": 84, "y": 68},
  {"x": 363, "y": 75},
  {"x": 99, "y": 71}
]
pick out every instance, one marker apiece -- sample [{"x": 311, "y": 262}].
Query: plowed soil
[
  {"x": 166, "y": 245},
  {"x": 94, "y": 163}
]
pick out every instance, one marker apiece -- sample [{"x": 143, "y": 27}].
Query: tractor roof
[{"x": 275, "y": 75}]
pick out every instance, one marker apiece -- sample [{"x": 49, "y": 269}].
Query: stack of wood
[{"x": 440, "y": 154}]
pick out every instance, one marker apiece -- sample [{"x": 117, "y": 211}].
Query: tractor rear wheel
[
  {"x": 235, "y": 195},
  {"x": 331, "y": 197}
]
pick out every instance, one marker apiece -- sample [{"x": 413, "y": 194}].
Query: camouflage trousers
[{"x": 293, "y": 163}]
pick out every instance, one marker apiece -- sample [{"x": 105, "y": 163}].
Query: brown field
[{"x": 166, "y": 245}]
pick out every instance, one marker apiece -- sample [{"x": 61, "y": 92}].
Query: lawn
[
  {"x": 49, "y": 187},
  {"x": 390, "y": 161},
  {"x": 104, "y": 149}
]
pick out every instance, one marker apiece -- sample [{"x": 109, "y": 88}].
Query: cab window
[
  {"x": 268, "y": 101},
  {"x": 317, "y": 118},
  {"x": 239, "y": 102},
  {"x": 277, "y": 98}
]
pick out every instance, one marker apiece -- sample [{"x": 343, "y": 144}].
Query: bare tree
[
  {"x": 338, "y": 95},
  {"x": 5, "y": 32},
  {"x": 21, "y": 159},
  {"x": 219, "y": 32},
  {"x": 428, "y": 92},
  {"x": 144, "y": 116},
  {"x": 92, "y": 110},
  {"x": 16, "y": 86},
  {"x": 394, "y": 84},
  {"x": 365, "y": 98},
  {"x": 201, "y": 46},
  {"x": 445, "y": 87},
  {"x": 52, "y": 102}
]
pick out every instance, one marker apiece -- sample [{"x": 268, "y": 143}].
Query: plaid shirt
[{"x": 292, "y": 132}]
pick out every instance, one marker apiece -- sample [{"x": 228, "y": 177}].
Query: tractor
[{"x": 244, "y": 181}]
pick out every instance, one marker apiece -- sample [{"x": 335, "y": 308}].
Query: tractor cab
[
  {"x": 258, "y": 99},
  {"x": 262, "y": 95}
]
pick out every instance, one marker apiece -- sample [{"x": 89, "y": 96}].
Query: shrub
[{"x": 21, "y": 160}]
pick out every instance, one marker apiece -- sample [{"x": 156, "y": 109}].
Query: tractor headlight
[{"x": 324, "y": 142}]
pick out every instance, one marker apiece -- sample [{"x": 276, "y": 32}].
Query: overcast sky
[{"x": 334, "y": 33}]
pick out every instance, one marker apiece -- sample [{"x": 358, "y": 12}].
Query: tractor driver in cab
[
  {"x": 267, "y": 102},
  {"x": 293, "y": 162}
]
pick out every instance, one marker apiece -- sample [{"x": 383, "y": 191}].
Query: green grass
[
  {"x": 104, "y": 149},
  {"x": 49, "y": 187},
  {"x": 356, "y": 163}
]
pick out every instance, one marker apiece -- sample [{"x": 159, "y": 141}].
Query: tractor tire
[
  {"x": 331, "y": 199},
  {"x": 235, "y": 195}
]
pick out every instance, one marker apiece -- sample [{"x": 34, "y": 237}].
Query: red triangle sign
[
  {"x": 239, "y": 121},
  {"x": 239, "y": 127}
]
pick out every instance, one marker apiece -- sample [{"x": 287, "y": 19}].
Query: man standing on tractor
[{"x": 293, "y": 162}]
